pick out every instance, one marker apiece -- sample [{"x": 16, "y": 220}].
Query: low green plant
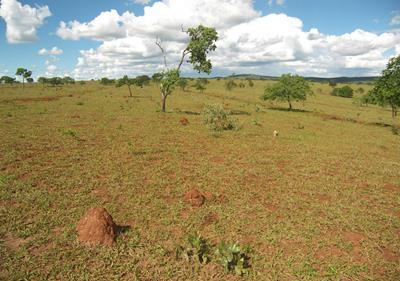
[
  {"x": 217, "y": 118},
  {"x": 69, "y": 132},
  {"x": 232, "y": 257},
  {"x": 395, "y": 130},
  {"x": 196, "y": 248}
]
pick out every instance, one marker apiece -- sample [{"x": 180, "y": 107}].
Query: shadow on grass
[
  {"x": 121, "y": 229},
  {"x": 239, "y": 112},
  {"x": 289, "y": 110}
]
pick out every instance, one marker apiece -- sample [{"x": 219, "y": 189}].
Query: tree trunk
[
  {"x": 130, "y": 91},
  {"x": 23, "y": 83},
  {"x": 394, "y": 111},
  {"x": 290, "y": 105},
  {"x": 164, "y": 99}
]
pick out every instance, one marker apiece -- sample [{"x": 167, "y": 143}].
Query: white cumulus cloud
[
  {"x": 55, "y": 51},
  {"x": 248, "y": 42},
  {"x": 22, "y": 21}
]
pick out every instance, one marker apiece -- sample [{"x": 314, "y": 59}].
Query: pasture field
[{"x": 319, "y": 202}]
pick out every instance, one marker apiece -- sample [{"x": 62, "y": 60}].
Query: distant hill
[{"x": 313, "y": 79}]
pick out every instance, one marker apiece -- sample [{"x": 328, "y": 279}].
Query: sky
[{"x": 111, "y": 38}]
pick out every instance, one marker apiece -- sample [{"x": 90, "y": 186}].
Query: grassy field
[{"x": 319, "y": 202}]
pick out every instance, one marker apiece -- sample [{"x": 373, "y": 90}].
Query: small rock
[
  {"x": 96, "y": 227},
  {"x": 275, "y": 133},
  {"x": 194, "y": 197}
]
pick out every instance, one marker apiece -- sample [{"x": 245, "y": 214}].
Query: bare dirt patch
[
  {"x": 14, "y": 243},
  {"x": 389, "y": 256},
  {"x": 328, "y": 252},
  {"x": 184, "y": 121},
  {"x": 209, "y": 219}
]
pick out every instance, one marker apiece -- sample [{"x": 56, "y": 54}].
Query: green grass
[{"x": 319, "y": 202}]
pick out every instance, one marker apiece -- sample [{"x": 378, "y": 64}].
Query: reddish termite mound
[
  {"x": 194, "y": 198},
  {"x": 184, "y": 121},
  {"x": 96, "y": 227}
]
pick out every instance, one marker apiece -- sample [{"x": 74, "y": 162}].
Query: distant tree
[
  {"x": 201, "y": 41},
  {"x": 230, "y": 84},
  {"x": 128, "y": 82},
  {"x": 24, "y": 73},
  {"x": 142, "y": 80},
  {"x": 68, "y": 80},
  {"x": 386, "y": 91},
  {"x": 55, "y": 81},
  {"x": 7, "y": 80},
  {"x": 182, "y": 83},
  {"x": 200, "y": 84},
  {"x": 29, "y": 80},
  {"x": 105, "y": 81},
  {"x": 289, "y": 88},
  {"x": 156, "y": 77},
  {"x": 360, "y": 90},
  {"x": 332, "y": 83},
  {"x": 344, "y": 92}
]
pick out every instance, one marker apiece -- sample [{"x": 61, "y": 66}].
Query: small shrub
[
  {"x": 217, "y": 118},
  {"x": 232, "y": 257},
  {"x": 196, "y": 248},
  {"x": 242, "y": 85},
  {"x": 230, "y": 84},
  {"x": 80, "y": 103},
  {"x": 69, "y": 132},
  {"x": 345, "y": 92}
]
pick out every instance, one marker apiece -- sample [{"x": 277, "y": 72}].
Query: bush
[
  {"x": 232, "y": 257},
  {"x": 345, "y": 92},
  {"x": 217, "y": 118},
  {"x": 230, "y": 85}
]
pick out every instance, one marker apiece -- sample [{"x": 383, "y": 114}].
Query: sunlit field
[{"x": 321, "y": 201}]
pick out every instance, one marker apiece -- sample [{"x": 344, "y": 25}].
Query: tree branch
[{"x": 158, "y": 43}]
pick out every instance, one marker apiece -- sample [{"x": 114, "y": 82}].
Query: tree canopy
[
  {"x": 386, "y": 91},
  {"x": 289, "y": 88},
  {"x": 201, "y": 41}
]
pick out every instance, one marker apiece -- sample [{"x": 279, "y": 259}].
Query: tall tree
[
  {"x": 289, "y": 88},
  {"x": 24, "y": 73},
  {"x": 201, "y": 41},
  {"x": 387, "y": 87}
]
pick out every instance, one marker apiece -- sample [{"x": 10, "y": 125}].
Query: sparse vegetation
[{"x": 217, "y": 118}]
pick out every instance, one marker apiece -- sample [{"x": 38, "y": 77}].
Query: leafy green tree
[
  {"x": 157, "y": 77},
  {"x": 182, "y": 83},
  {"x": 142, "y": 80},
  {"x": 128, "y": 82},
  {"x": 24, "y": 73},
  {"x": 386, "y": 91},
  {"x": 105, "y": 81},
  {"x": 68, "y": 80},
  {"x": 7, "y": 80},
  {"x": 55, "y": 81},
  {"x": 201, "y": 42},
  {"x": 29, "y": 80},
  {"x": 345, "y": 92},
  {"x": 289, "y": 88},
  {"x": 200, "y": 84}
]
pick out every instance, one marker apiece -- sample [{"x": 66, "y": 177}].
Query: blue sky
[{"x": 273, "y": 36}]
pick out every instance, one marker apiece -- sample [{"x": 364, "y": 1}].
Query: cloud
[
  {"x": 51, "y": 70},
  {"x": 22, "y": 20},
  {"x": 55, "y": 51},
  {"x": 395, "y": 20},
  {"x": 248, "y": 42},
  {"x": 142, "y": 2},
  {"x": 277, "y": 2}
]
